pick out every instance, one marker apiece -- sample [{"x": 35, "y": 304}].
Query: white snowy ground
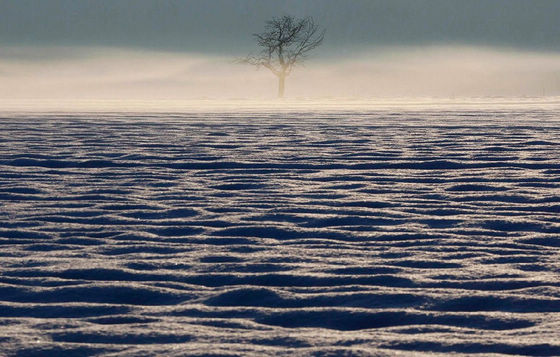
[{"x": 302, "y": 233}]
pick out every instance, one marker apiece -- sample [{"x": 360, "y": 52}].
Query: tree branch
[{"x": 285, "y": 42}]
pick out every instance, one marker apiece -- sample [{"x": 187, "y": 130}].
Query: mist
[
  {"x": 104, "y": 74},
  {"x": 145, "y": 51}
]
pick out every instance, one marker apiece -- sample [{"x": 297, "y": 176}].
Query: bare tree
[{"x": 285, "y": 42}]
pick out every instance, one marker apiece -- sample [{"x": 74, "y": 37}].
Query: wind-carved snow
[{"x": 280, "y": 233}]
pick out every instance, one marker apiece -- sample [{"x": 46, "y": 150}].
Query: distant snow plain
[{"x": 305, "y": 232}]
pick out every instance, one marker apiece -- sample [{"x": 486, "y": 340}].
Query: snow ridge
[{"x": 270, "y": 233}]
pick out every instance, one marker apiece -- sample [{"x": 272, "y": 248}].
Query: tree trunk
[{"x": 281, "y": 81}]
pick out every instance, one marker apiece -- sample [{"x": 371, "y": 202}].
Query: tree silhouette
[{"x": 285, "y": 42}]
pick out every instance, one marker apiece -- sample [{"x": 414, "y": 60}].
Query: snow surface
[{"x": 294, "y": 233}]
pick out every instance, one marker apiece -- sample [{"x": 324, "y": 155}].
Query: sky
[{"x": 171, "y": 49}]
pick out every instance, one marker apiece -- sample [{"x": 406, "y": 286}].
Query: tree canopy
[{"x": 285, "y": 42}]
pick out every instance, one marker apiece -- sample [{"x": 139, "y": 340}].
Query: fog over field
[
  {"x": 400, "y": 72},
  {"x": 186, "y": 50}
]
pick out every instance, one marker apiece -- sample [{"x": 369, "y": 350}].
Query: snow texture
[{"x": 280, "y": 233}]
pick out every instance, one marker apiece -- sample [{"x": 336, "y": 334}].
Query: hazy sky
[
  {"x": 170, "y": 48},
  {"x": 223, "y": 25}
]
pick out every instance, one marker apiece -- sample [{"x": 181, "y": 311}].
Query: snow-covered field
[{"x": 280, "y": 233}]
